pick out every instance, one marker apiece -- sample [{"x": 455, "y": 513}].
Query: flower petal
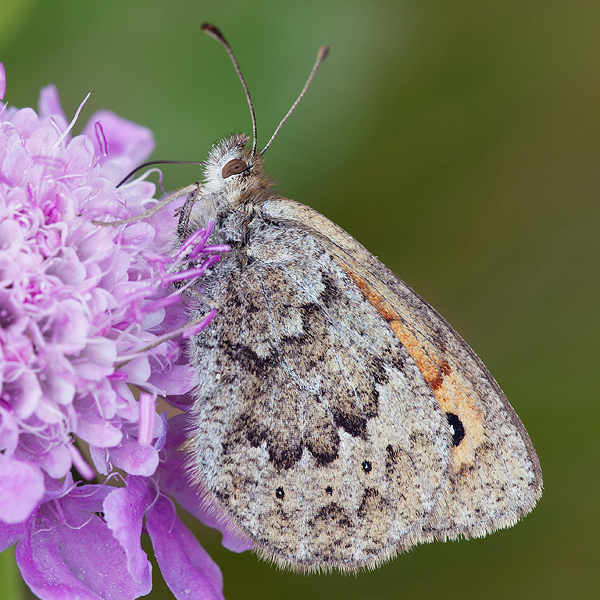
[
  {"x": 10, "y": 534},
  {"x": 124, "y": 511},
  {"x": 179, "y": 380},
  {"x": 76, "y": 556},
  {"x": 98, "y": 432},
  {"x": 133, "y": 458},
  {"x": 49, "y": 106},
  {"x": 186, "y": 567},
  {"x": 56, "y": 462},
  {"x": 21, "y": 491},
  {"x": 9, "y": 431},
  {"x": 2, "y": 81}
]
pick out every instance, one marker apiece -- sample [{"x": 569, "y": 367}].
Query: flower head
[{"x": 85, "y": 314}]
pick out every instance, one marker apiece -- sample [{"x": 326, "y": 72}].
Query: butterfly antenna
[
  {"x": 321, "y": 56},
  {"x": 158, "y": 162},
  {"x": 216, "y": 34}
]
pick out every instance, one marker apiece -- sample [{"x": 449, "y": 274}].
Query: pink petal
[
  {"x": 139, "y": 234},
  {"x": 2, "y": 81},
  {"x": 134, "y": 459},
  {"x": 14, "y": 165},
  {"x": 100, "y": 459},
  {"x": 41, "y": 141},
  {"x": 179, "y": 380},
  {"x": 21, "y": 489},
  {"x": 79, "y": 155},
  {"x": 57, "y": 380},
  {"x": 76, "y": 556},
  {"x": 186, "y": 567},
  {"x": 68, "y": 268},
  {"x": 97, "y": 432},
  {"x": 9, "y": 431},
  {"x": 56, "y": 462},
  {"x": 71, "y": 326},
  {"x": 25, "y": 121},
  {"x": 10, "y": 234},
  {"x": 80, "y": 463},
  {"x": 124, "y": 511},
  {"x": 138, "y": 370},
  {"x": 49, "y": 106},
  {"x": 10, "y": 534},
  {"x": 24, "y": 394}
]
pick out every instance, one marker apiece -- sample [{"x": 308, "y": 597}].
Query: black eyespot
[
  {"x": 279, "y": 493},
  {"x": 233, "y": 167},
  {"x": 457, "y": 428},
  {"x": 329, "y": 490},
  {"x": 366, "y": 466}
]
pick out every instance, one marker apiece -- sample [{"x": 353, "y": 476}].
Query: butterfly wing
[
  {"x": 340, "y": 419},
  {"x": 495, "y": 475}
]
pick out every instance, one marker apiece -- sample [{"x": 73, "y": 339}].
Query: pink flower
[{"x": 86, "y": 313}]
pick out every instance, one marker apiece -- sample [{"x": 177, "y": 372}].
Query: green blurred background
[{"x": 460, "y": 142}]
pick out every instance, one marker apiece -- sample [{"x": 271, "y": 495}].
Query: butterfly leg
[{"x": 183, "y": 227}]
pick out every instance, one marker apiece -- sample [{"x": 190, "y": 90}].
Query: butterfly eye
[{"x": 233, "y": 167}]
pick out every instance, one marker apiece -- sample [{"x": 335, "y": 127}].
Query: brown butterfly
[{"x": 338, "y": 419}]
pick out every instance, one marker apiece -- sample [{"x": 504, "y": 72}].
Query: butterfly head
[{"x": 231, "y": 166}]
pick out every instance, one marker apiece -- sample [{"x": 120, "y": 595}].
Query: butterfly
[{"x": 338, "y": 418}]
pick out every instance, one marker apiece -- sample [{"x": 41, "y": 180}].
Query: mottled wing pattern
[
  {"x": 314, "y": 428},
  {"x": 494, "y": 475}
]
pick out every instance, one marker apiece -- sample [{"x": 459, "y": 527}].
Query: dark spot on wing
[
  {"x": 353, "y": 424},
  {"x": 284, "y": 457},
  {"x": 371, "y": 502},
  {"x": 457, "y": 429},
  {"x": 331, "y": 294},
  {"x": 252, "y": 362},
  {"x": 377, "y": 370},
  {"x": 325, "y": 453},
  {"x": 334, "y": 515}
]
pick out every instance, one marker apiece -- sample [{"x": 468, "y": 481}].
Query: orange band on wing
[{"x": 453, "y": 392}]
